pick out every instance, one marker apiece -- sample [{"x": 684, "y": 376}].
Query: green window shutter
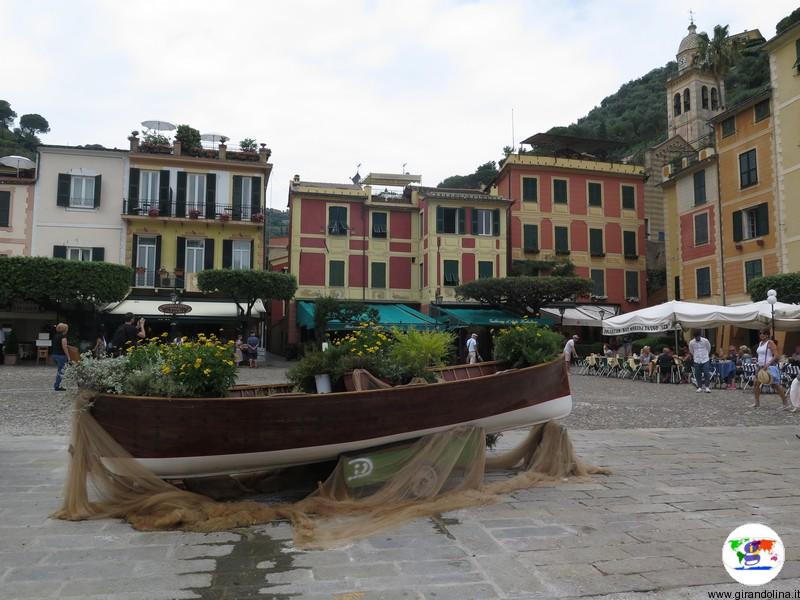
[
  {"x": 462, "y": 220},
  {"x": 59, "y": 252},
  {"x": 5, "y": 209},
  {"x": 133, "y": 191},
  {"x": 439, "y": 219},
  {"x": 628, "y": 197},
  {"x": 562, "y": 240},
  {"x": 599, "y": 281},
  {"x": 485, "y": 269},
  {"x": 762, "y": 219},
  {"x": 596, "y": 242},
  {"x": 703, "y": 280},
  {"x": 255, "y": 196},
  {"x": 629, "y": 244},
  {"x": 337, "y": 220},
  {"x": 700, "y": 187},
  {"x": 180, "y": 196},
  {"x": 529, "y": 189},
  {"x": 336, "y": 273},
  {"x": 473, "y": 212},
  {"x": 98, "y": 254},
  {"x": 164, "y": 200},
  {"x": 158, "y": 253},
  {"x": 252, "y": 252},
  {"x": 451, "y": 273},
  {"x": 737, "y": 226},
  {"x": 237, "y": 198},
  {"x": 98, "y": 180},
  {"x": 631, "y": 284},
  {"x": 180, "y": 254},
  {"x": 378, "y": 274},
  {"x": 530, "y": 238},
  {"x": 701, "y": 229},
  {"x": 227, "y": 254},
  {"x": 379, "y": 229},
  {"x": 208, "y": 255},
  {"x": 496, "y": 222},
  {"x": 595, "y": 194},
  {"x": 211, "y": 196},
  {"x": 63, "y": 190},
  {"x": 560, "y": 191}
]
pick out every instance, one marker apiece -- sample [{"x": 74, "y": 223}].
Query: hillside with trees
[{"x": 22, "y": 139}]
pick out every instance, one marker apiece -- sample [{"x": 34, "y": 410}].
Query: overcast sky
[{"x": 328, "y": 85}]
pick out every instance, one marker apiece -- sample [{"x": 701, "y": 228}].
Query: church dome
[{"x": 691, "y": 41}]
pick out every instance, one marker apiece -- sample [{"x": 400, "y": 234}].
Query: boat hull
[{"x": 199, "y": 437}]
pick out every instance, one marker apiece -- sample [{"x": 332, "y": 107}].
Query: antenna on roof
[
  {"x": 513, "y": 141},
  {"x": 691, "y": 17},
  {"x": 403, "y": 170}
]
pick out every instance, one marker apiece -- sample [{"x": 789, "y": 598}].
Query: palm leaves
[{"x": 719, "y": 54}]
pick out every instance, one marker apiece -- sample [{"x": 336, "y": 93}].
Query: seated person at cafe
[
  {"x": 745, "y": 356},
  {"x": 665, "y": 362},
  {"x": 608, "y": 352},
  {"x": 646, "y": 359},
  {"x": 733, "y": 356},
  {"x": 794, "y": 359}
]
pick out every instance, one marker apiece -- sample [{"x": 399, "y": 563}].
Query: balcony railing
[
  {"x": 148, "y": 278},
  {"x": 188, "y": 210}
]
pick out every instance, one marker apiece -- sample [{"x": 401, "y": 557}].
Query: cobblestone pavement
[{"x": 652, "y": 529}]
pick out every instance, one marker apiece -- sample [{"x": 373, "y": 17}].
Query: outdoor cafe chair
[
  {"x": 589, "y": 365},
  {"x": 635, "y": 369},
  {"x": 748, "y": 375},
  {"x": 613, "y": 367},
  {"x": 788, "y": 374}
]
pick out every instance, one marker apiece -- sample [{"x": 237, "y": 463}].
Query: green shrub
[
  {"x": 590, "y": 348},
  {"x": 526, "y": 345},
  {"x": 11, "y": 345},
  {"x": 416, "y": 351},
  {"x": 787, "y": 285},
  {"x": 314, "y": 363},
  {"x": 248, "y": 145},
  {"x": 656, "y": 343},
  {"x": 189, "y": 137}
]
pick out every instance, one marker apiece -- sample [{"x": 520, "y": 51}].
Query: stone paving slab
[{"x": 652, "y": 529}]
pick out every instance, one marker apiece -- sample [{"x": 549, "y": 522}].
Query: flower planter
[
  {"x": 224, "y": 217},
  {"x": 10, "y": 359},
  {"x": 323, "y": 383},
  {"x": 153, "y": 212},
  {"x": 194, "y": 214},
  {"x": 257, "y": 218}
]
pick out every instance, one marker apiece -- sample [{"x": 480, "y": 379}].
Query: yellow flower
[
  {"x": 209, "y": 345},
  {"x": 165, "y": 334},
  {"x": 166, "y": 370},
  {"x": 229, "y": 363},
  {"x": 206, "y": 372},
  {"x": 198, "y": 361}
]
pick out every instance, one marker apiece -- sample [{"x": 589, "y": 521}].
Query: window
[
  {"x": 483, "y": 219},
  {"x": 337, "y": 220},
  {"x": 752, "y": 269},
  {"x": 379, "y": 225},
  {"x": 530, "y": 235},
  {"x": 647, "y": 228},
  {"x": 704, "y": 96},
  {"x": 84, "y": 254},
  {"x": 628, "y": 197},
  {"x": 676, "y": 104},
  {"x": 146, "y": 261},
  {"x": 714, "y": 99},
  {"x": 562, "y": 240},
  {"x": 195, "y": 255},
  {"x": 677, "y": 287},
  {"x": 700, "y": 187},
  {"x": 450, "y": 220},
  {"x": 81, "y": 194},
  {"x": 5, "y": 209},
  {"x": 240, "y": 254},
  {"x": 485, "y": 269},
  {"x": 196, "y": 193},
  {"x": 336, "y": 273},
  {"x": 631, "y": 284},
  {"x": 748, "y": 170},
  {"x": 751, "y": 223},
  {"x": 686, "y": 102},
  {"x": 595, "y": 194},
  {"x": 596, "y": 242},
  {"x": 728, "y": 126},
  {"x": 451, "y": 273},
  {"x": 629, "y": 244},
  {"x": 560, "y": 191},
  {"x": 246, "y": 198},
  {"x": 378, "y": 271},
  {"x": 598, "y": 277},
  {"x": 421, "y": 224},
  {"x": 148, "y": 188},
  {"x": 761, "y": 110},
  {"x": 701, "y": 229},
  {"x": 530, "y": 189},
  {"x": 703, "y": 279}
]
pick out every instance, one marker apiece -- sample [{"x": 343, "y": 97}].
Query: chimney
[
  {"x": 133, "y": 138},
  {"x": 223, "y": 151},
  {"x": 176, "y": 148},
  {"x": 296, "y": 179}
]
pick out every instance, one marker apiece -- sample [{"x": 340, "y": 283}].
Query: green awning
[
  {"x": 389, "y": 315},
  {"x": 484, "y": 316}
]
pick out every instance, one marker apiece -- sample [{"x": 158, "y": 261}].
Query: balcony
[
  {"x": 158, "y": 279},
  {"x": 220, "y": 152},
  {"x": 159, "y": 209}
]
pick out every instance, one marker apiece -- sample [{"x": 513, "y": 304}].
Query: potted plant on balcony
[
  {"x": 11, "y": 349},
  {"x": 189, "y": 139},
  {"x": 224, "y": 217},
  {"x": 194, "y": 213},
  {"x": 153, "y": 212},
  {"x": 155, "y": 143},
  {"x": 248, "y": 145},
  {"x": 257, "y": 217},
  {"x": 178, "y": 273}
]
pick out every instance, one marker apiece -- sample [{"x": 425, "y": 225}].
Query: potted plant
[
  {"x": 257, "y": 217},
  {"x": 194, "y": 213},
  {"x": 11, "y": 348},
  {"x": 178, "y": 272},
  {"x": 140, "y": 270},
  {"x": 224, "y": 217},
  {"x": 526, "y": 345},
  {"x": 189, "y": 139},
  {"x": 153, "y": 212},
  {"x": 248, "y": 145}
]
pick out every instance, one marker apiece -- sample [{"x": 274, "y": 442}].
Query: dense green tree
[
  {"x": 483, "y": 175},
  {"x": 245, "y": 286},
  {"x": 33, "y": 124},
  {"x": 524, "y": 295},
  {"x": 787, "y": 22},
  {"x": 328, "y": 308},
  {"x": 787, "y": 285},
  {"x": 719, "y": 54},
  {"x": 7, "y": 115}
]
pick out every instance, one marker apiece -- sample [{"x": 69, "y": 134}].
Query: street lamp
[{"x": 772, "y": 298}]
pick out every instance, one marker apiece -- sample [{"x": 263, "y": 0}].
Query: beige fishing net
[{"x": 367, "y": 492}]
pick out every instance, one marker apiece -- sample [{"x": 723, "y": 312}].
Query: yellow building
[
  {"x": 784, "y": 61},
  {"x": 189, "y": 212}
]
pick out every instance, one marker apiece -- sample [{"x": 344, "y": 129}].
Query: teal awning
[
  {"x": 389, "y": 315},
  {"x": 483, "y": 316}
]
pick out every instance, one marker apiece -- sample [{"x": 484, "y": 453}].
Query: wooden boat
[{"x": 179, "y": 438}]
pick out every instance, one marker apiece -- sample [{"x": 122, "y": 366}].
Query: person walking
[
  {"x": 472, "y": 349},
  {"x": 60, "y": 353},
  {"x": 767, "y": 358},
  {"x": 700, "y": 349},
  {"x": 569, "y": 350}
]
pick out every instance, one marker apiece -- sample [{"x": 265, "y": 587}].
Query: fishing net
[{"x": 367, "y": 492}]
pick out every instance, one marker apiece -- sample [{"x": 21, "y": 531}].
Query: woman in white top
[{"x": 767, "y": 353}]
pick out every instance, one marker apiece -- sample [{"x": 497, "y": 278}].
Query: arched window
[
  {"x": 714, "y": 99},
  {"x": 704, "y": 96},
  {"x": 676, "y": 104},
  {"x": 686, "y": 102}
]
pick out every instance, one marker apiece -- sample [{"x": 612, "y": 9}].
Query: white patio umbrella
[
  {"x": 17, "y": 162},
  {"x": 787, "y": 316}
]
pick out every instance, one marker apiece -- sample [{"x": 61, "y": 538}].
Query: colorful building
[
  {"x": 16, "y": 211},
  {"x": 568, "y": 201},
  {"x": 784, "y": 60}
]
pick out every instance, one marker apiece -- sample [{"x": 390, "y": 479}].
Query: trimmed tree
[
  {"x": 245, "y": 287},
  {"x": 327, "y": 309},
  {"x": 524, "y": 295},
  {"x": 55, "y": 281},
  {"x": 787, "y": 285}
]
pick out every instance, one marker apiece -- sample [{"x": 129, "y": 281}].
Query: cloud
[{"x": 328, "y": 85}]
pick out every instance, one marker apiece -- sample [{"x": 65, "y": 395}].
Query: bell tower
[{"x": 693, "y": 95}]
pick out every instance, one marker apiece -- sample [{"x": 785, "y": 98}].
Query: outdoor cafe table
[{"x": 725, "y": 368}]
